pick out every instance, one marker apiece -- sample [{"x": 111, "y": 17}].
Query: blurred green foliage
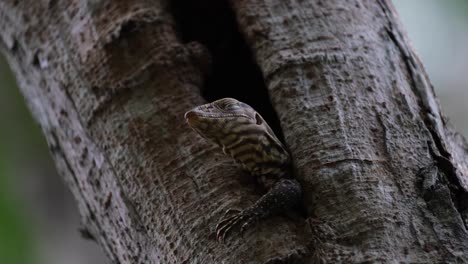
[
  {"x": 15, "y": 236},
  {"x": 16, "y": 241},
  {"x": 457, "y": 6}
]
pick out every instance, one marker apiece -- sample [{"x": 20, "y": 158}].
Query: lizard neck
[{"x": 259, "y": 153}]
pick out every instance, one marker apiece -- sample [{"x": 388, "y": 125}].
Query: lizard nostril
[{"x": 191, "y": 117}]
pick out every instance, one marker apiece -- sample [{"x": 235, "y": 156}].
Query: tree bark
[{"x": 385, "y": 177}]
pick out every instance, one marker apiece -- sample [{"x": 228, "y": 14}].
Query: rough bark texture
[
  {"x": 360, "y": 118},
  {"x": 109, "y": 81}
]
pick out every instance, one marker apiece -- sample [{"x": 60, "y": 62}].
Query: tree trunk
[{"x": 385, "y": 178}]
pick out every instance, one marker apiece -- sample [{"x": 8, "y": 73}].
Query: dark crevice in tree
[
  {"x": 458, "y": 195},
  {"x": 233, "y": 71}
]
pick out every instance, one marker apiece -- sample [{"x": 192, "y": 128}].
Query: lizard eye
[
  {"x": 230, "y": 106},
  {"x": 233, "y": 107}
]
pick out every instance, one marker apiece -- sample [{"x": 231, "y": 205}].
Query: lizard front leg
[{"x": 284, "y": 195}]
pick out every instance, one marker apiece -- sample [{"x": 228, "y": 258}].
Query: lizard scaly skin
[{"x": 243, "y": 134}]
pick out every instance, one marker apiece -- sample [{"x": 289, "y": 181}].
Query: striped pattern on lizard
[{"x": 243, "y": 134}]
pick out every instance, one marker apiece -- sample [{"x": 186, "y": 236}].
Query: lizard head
[
  {"x": 239, "y": 130},
  {"x": 224, "y": 117}
]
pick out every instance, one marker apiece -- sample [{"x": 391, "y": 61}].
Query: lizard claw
[
  {"x": 231, "y": 212},
  {"x": 247, "y": 223},
  {"x": 231, "y": 219}
]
